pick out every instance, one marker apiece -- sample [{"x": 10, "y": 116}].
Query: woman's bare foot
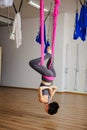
[{"x": 49, "y": 50}]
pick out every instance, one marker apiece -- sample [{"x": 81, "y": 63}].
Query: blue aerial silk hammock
[
  {"x": 46, "y": 42},
  {"x": 81, "y": 24},
  {"x": 77, "y": 27}
]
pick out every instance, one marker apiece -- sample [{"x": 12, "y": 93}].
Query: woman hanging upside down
[{"x": 46, "y": 90}]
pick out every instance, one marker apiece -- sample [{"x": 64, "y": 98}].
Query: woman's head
[{"x": 52, "y": 108}]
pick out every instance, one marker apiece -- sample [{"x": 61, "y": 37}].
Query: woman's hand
[
  {"x": 52, "y": 90},
  {"x": 54, "y": 87}
]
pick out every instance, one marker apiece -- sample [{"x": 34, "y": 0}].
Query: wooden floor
[{"x": 21, "y": 110}]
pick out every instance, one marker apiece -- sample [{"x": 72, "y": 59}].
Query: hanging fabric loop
[
  {"x": 16, "y": 33},
  {"x": 55, "y": 14}
]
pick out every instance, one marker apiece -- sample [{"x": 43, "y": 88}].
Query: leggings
[{"x": 44, "y": 71}]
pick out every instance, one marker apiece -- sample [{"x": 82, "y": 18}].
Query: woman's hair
[{"x": 53, "y": 108}]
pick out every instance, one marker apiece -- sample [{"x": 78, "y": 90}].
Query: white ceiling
[{"x": 28, "y": 11}]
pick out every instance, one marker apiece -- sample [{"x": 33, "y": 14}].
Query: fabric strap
[
  {"x": 55, "y": 14},
  {"x": 42, "y": 30},
  {"x": 49, "y": 78}
]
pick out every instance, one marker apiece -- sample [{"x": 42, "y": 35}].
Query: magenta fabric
[
  {"x": 42, "y": 30},
  {"x": 55, "y": 14},
  {"x": 49, "y": 78}
]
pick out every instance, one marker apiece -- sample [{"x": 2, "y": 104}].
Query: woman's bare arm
[
  {"x": 42, "y": 98},
  {"x": 52, "y": 91},
  {"x": 42, "y": 88}
]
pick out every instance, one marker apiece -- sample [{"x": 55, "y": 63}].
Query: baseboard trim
[
  {"x": 61, "y": 92},
  {"x": 13, "y": 87}
]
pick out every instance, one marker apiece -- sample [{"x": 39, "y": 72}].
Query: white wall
[
  {"x": 16, "y": 71},
  {"x": 59, "y": 52},
  {"x": 74, "y": 57}
]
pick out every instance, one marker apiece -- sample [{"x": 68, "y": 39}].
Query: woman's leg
[
  {"x": 35, "y": 64},
  {"x": 50, "y": 67}
]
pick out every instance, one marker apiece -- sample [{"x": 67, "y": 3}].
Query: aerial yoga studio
[{"x": 43, "y": 65}]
